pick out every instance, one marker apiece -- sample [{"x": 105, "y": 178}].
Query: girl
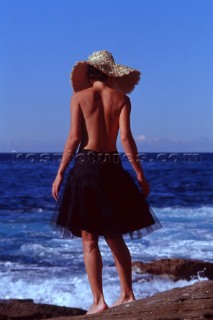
[{"x": 100, "y": 198}]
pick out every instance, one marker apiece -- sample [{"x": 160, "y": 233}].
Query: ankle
[
  {"x": 128, "y": 295},
  {"x": 124, "y": 298},
  {"x": 95, "y": 308},
  {"x": 99, "y": 300}
]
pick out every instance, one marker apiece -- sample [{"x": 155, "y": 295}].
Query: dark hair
[{"x": 95, "y": 74}]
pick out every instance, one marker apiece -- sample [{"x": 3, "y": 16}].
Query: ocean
[{"x": 37, "y": 263}]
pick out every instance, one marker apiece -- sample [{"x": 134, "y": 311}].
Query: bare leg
[
  {"x": 93, "y": 264},
  {"x": 124, "y": 267}
]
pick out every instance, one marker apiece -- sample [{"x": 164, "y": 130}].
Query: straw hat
[{"x": 126, "y": 78}]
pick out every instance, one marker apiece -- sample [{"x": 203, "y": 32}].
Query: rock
[
  {"x": 15, "y": 309},
  {"x": 191, "y": 302},
  {"x": 176, "y": 269}
]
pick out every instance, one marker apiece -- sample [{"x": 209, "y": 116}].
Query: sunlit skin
[{"x": 97, "y": 115}]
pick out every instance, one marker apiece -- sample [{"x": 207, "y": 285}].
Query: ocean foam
[
  {"x": 36, "y": 263},
  {"x": 74, "y": 291}
]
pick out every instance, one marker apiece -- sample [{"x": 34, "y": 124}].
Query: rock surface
[
  {"x": 191, "y": 302},
  {"x": 15, "y": 309},
  {"x": 176, "y": 269}
]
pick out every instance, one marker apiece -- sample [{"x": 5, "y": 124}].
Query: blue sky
[{"x": 170, "y": 41}]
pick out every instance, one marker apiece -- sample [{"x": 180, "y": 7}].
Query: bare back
[
  {"x": 98, "y": 113},
  {"x": 101, "y": 107}
]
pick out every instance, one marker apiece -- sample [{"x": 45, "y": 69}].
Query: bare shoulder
[
  {"x": 76, "y": 95},
  {"x": 76, "y": 100},
  {"x": 127, "y": 100},
  {"x": 86, "y": 93},
  {"x": 123, "y": 99},
  {"x": 120, "y": 96}
]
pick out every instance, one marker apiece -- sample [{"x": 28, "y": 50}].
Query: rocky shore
[
  {"x": 176, "y": 269},
  {"x": 191, "y": 302},
  {"x": 15, "y": 309}
]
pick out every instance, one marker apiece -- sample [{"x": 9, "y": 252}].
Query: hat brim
[{"x": 126, "y": 78}]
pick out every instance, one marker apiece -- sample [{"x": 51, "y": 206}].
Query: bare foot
[
  {"x": 122, "y": 300},
  {"x": 95, "y": 308}
]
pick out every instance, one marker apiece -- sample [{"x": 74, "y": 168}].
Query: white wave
[
  {"x": 186, "y": 233},
  {"x": 59, "y": 277},
  {"x": 74, "y": 291}
]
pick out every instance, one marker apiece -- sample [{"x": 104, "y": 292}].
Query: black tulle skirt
[{"x": 100, "y": 197}]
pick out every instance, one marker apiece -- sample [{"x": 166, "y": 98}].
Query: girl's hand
[
  {"x": 56, "y": 186},
  {"x": 144, "y": 186}
]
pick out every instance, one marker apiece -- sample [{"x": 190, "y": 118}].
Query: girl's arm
[
  {"x": 71, "y": 145},
  {"x": 130, "y": 147}
]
